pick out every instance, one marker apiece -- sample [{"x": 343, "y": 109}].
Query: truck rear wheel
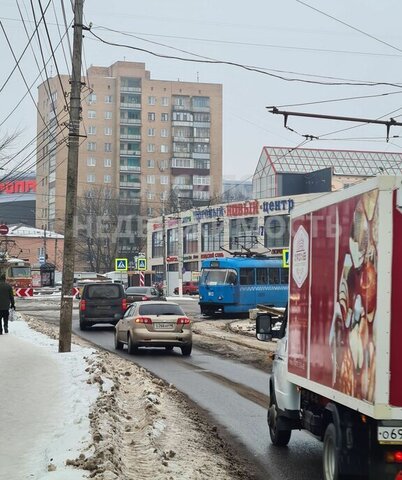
[
  {"x": 330, "y": 455},
  {"x": 279, "y": 438}
]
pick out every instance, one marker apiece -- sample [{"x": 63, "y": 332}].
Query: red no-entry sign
[{"x": 3, "y": 229}]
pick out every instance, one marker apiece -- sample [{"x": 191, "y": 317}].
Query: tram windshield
[
  {"x": 20, "y": 272},
  {"x": 213, "y": 276}
]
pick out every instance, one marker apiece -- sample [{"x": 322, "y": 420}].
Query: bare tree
[{"x": 99, "y": 223}]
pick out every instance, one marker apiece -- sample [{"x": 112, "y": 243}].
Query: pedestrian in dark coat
[{"x": 6, "y": 301}]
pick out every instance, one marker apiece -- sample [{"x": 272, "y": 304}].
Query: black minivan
[{"x": 102, "y": 303}]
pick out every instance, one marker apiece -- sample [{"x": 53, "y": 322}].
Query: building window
[
  {"x": 150, "y": 147},
  {"x": 164, "y": 132},
  {"x": 108, "y": 99},
  {"x": 151, "y": 100},
  {"x": 107, "y": 179},
  {"x": 91, "y": 178},
  {"x": 107, "y": 162},
  {"x": 150, "y": 163},
  {"x": 91, "y": 114},
  {"x": 108, "y": 130},
  {"x": 91, "y": 130},
  {"x": 91, "y": 162},
  {"x": 150, "y": 195},
  {"x": 190, "y": 239},
  {"x": 163, "y": 164},
  {"x": 150, "y": 179},
  {"x": 164, "y": 179},
  {"x": 201, "y": 195},
  {"x": 108, "y": 115},
  {"x": 151, "y": 116},
  {"x": 92, "y": 98},
  {"x": 165, "y": 101},
  {"x": 201, "y": 180},
  {"x": 91, "y": 146},
  {"x": 157, "y": 244},
  {"x": 108, "y": 147},
  {"x": 164, "y": 117},
  {"x": 200, "y": 102},
  {"x": 211, "y": 236},
  {"x": 276, "y": 231},
  {"x": 150, "y": 211},
  {"x": 172, "y": 241},
  {"x": 243, "y": 231},
  {"x": 151, "y": 132},
  {"x": 164, "y": 148}
]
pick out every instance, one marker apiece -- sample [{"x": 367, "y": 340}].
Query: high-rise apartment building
[{"x": 146, "y": 142}]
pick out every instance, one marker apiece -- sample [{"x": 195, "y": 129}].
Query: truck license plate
[{"x": 389, "y": 435}]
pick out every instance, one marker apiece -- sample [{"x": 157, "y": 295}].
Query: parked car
[
  {"x": 189, "y": 288},
  {"x": 138, "y": 294},
  {"x": 101, "y": 303},
  {"x": 154, "y": 324}
]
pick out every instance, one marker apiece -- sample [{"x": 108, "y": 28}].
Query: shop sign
[
  {"x": 242, "y": 209},
  {"x": 172, "y": 259},
  {"x": 274, "y": 206},
  {"x": 212, "y": 255},
  {"x": 19, "y": 186}
]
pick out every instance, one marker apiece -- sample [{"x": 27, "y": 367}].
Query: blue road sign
[
  {"x": 121, "y": 264},
  {"x": 141, "y": 264}
]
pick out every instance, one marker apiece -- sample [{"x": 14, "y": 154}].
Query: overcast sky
[{"x": 284, "y": 38}]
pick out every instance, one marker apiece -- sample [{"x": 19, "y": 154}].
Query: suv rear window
[
  {"x": 103, "y": 291},
  {"x": 160, "y": 309},
  {"x": 138, "y": 290}
]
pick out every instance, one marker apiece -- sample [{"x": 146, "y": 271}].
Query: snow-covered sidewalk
[{"x": 44, "y": 406}]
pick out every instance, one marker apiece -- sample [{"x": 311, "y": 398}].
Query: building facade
[
  {"x": 150, "y": 144},
  {"x": 197, "y": 234}
]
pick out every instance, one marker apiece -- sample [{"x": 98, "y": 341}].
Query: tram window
[
  {"x": 284, "y": 276},
  {"x": 274, "y": 278},
  {"x": 231, "y": 278},
  {"x": 247, "y": 276},
  {"x": 262, "y": 276}
]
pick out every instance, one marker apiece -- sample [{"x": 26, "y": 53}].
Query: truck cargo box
[{"x": 345, "y": 297}]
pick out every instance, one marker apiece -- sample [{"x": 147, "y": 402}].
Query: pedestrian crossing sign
[
  {"x": 120, "y": 264},
  {"x": 285, "y": 258},
  {"x": 141, "y": 264}
]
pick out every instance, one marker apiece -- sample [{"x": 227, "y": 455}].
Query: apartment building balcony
[
  {"x": 182, "y": 154},
  {"x": 182, "y": 108},
  {"x": 182, "y": 187},
  {"x": 130, "y": 152},
  {"x": 202, "y": 124},
  {"x": 130, "y": 169},
  {"x": 202, "y": 139},
  {"x": 130, "y": 121},
  {"x": 129, "y": 137},
  {"x": 201, "y": 156},
  {"x": 133, "y": 185},
  {"x": 183, "y": 139},
  {"x": 130, "y": 89},
  {"x": 131, "y": 105},
  {"x": 182, "y": 123},
  {"x": 201, "y": 109}
]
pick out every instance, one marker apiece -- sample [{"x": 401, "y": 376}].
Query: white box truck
[{"x": 337, "y": 371}]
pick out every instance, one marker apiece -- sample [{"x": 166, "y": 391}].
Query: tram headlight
[
  {"x": 220, "y": 297},
  {"x": 200, "y": 297}
]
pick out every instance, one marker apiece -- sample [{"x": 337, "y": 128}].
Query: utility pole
[
  {"x": 66, "y": 306},
  {"x": 165, "y": 272},
  {"x": 44, "y": 227},
  {"x": 180, "y": 254}
]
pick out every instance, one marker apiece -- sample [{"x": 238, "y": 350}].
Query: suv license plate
[
  {"x": 389, "y": 435},
  {"x": 163, "y": 326}
]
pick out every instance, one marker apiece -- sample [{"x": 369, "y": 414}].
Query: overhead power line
[
  {"x": 244, "y": 67},
  {"x": 350, "y": 26}
]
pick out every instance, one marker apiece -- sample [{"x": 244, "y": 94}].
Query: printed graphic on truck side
[{"x": 342, "y": 297}]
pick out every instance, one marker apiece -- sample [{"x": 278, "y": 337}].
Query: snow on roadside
[
  {"x": 48, "y": 420},
  {"x": 144, "y": 428}
]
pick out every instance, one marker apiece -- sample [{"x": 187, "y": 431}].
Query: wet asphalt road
[{"x": 233, "y": 395}]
